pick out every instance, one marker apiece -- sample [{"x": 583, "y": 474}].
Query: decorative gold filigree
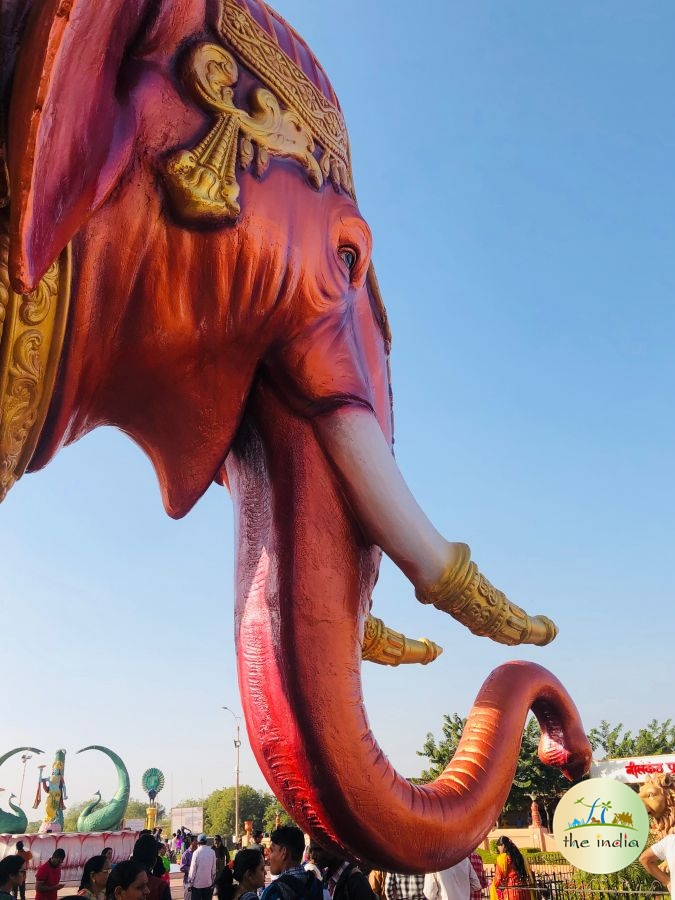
[
  {"x": 387, "y": 647},
  {"x": 470, "y": 598},
  {"x": 32, "y": 328},
  {"x": 203, "y": 182},
  {"x": 265, "y": 58}
]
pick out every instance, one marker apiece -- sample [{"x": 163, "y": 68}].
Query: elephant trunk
[{"x": 305, "y": 574}]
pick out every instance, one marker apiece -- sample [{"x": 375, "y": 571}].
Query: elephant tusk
[
  {"x": 470, "y": 599},
  {"x": 383, "y": 645},
  {"x": 441, "y": 572}
]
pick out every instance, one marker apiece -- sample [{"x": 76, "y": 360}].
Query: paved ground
[{"x": 177, "y": 886}]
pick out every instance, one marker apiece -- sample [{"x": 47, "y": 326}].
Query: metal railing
[{"x": 563, "y": 882}]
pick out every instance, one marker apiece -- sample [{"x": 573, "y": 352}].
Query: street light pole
[
  {"x": 237, "y": 745},
  {"x": 24, "y": 759}
]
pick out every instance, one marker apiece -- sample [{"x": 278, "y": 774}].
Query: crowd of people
[{"x": 296, "y": 872}]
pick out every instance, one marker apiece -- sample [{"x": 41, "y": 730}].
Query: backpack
[
  {"x": 293, "y": 887},
  {"x": 356, "y": 871}
]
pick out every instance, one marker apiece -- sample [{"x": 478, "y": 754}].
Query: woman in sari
[
  {"x": 95, "y": 878},
  {"x": 512, "y": 879}
]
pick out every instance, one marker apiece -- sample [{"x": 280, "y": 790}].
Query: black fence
[{"x": 562, "y": 882}]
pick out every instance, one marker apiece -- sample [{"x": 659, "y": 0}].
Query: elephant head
[{"x": 179, "y": 180}]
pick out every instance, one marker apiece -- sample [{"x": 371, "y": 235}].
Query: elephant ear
[{"x": 71, "y": 125}]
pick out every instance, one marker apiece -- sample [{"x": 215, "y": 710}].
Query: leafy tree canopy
[
  {"x": 259, "y": 807},
  {"x": 273, "y": 810},
  {"x": 220, "y": 807},
  {"x": 613, "y": 742},
  {"x": 71, "y": 814},
  {"x": 136, "y": 810}
]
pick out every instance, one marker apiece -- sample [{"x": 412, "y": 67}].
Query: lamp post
[
  {"x": 24, "y": 759},
  {"x": 237, "y": 745}
]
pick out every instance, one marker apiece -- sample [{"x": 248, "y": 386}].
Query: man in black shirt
[{"x": 342, "y": 879}]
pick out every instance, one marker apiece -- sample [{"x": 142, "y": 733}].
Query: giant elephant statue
[{"x": 187, "y": 262}]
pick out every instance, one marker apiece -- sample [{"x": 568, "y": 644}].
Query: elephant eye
[{"x": 348, "y": 256}]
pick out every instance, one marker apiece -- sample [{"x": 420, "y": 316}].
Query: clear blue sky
[{"x": 516, "y": 165}]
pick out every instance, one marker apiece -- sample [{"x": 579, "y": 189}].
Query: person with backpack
[
  {"x": 285, "y": 859},
  {"x": 341, "y": 879}
]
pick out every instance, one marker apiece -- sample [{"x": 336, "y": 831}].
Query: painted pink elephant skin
[
  {"x": 78, "y": 849},
  {"x": 225, "y": 315}
]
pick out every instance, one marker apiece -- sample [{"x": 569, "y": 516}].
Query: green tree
[
  {"x": 219, "y": 809},
  {"x": 614, "y": 742},
  {"x": 274, "y": 809},
  {"x": 136, "y": 810},
  {"x": 657, "y": 737},
  {"x": 71, "y": 814}
]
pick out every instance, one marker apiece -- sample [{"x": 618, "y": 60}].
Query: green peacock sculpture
[
  {"x": 98, "y": 816},
  {"x": 14, "y": 822}
]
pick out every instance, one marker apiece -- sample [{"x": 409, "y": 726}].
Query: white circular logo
[{"x": 600, "y": 826}]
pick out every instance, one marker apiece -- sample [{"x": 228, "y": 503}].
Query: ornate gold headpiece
[
  {"x": 202, "y": 182},
  {"x": 32, "y": 327}
]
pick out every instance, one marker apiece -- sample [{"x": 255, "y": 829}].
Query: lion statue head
[{"x": 658, "y": 795}]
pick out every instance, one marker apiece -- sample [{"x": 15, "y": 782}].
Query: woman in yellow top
[{"x": 513, "y": 878}]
